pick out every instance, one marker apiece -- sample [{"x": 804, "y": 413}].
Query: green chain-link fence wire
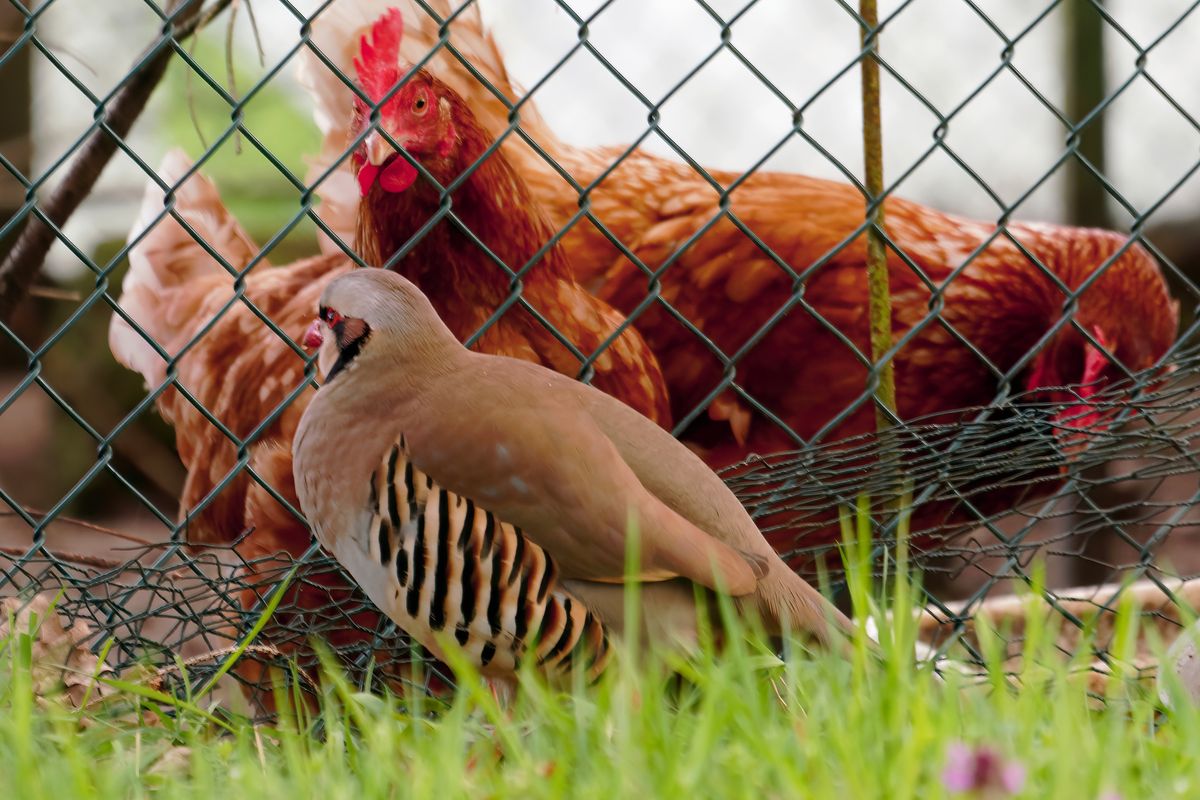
[{"x": 161, "y": 600}]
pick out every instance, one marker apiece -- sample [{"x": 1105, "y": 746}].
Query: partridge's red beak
[{"x": 313, "y": 336}]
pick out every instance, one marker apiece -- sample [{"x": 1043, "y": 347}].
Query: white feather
[{"x": 167, "y": 262}]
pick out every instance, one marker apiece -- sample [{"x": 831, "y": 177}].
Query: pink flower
[{"x": 981, "y": 771}]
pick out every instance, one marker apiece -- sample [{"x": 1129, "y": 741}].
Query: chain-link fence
[{"x": 1044, "y": 392}]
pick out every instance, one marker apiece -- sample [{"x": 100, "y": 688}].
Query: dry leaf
[
  {"x": 175, "y": 761},
  {"x": 1183, "y": 657},
  {"x": 64, "y": 668}
]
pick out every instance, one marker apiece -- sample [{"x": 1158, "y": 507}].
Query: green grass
[{"x": 741, "y": 724}]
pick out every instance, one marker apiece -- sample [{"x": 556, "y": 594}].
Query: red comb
[{"x": 377, "y": 63}]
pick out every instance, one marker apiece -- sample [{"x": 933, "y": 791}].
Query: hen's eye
[{"x": 419, "y": 104}]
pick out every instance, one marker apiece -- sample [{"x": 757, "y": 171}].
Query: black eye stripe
[{"x": 348, "y": 349}]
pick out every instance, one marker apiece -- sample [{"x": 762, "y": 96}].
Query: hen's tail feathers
[
  {"x": 336, "y": 33},
  {"x": 170, "y": 271}
]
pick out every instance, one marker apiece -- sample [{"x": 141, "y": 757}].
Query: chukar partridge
[{"x": 485, "y": 503}]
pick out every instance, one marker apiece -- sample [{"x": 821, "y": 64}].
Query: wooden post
[
  {"x": 1086, "y": 201},
  {"x": 16, "y": 142},
  {"x": 879, "y": 293},
  {"x": 16, "y": 139}
]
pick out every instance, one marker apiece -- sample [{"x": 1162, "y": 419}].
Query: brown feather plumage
[
  {"x": 467, "y": 286},
  {"x": 570, "y": 466},
  {"x": 175, "y": 289},
  {"x": 729, "y": 288}
]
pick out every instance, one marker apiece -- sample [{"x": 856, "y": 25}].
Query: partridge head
[{"x": 492, "y": 499}]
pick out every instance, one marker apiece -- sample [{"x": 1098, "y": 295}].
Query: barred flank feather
[{"x": 451, "y": 567}]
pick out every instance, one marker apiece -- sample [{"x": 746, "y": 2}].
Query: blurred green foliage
[{"x": 196, "y": 117}]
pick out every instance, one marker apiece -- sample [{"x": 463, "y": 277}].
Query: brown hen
[{"x": 458, "y": 260}]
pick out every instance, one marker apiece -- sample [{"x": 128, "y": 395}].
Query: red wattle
[
  {"x": 1094, "y": 360},
  {"x": 398, "y": 175},
  {"x": 366, "y": 178},
  {"x": 1086, "y": 415}
]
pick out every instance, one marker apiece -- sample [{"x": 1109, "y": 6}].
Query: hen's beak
[
  {"x": 313, "y": 336},
  {"x": 383, "y": 162},
  {"x": 378, "y": 148}
]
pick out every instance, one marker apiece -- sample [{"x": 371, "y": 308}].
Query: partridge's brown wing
[{"x": 531, "y": 453}]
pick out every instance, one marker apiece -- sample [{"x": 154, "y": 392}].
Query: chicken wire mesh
[{"x": 1097, "y": 483}]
